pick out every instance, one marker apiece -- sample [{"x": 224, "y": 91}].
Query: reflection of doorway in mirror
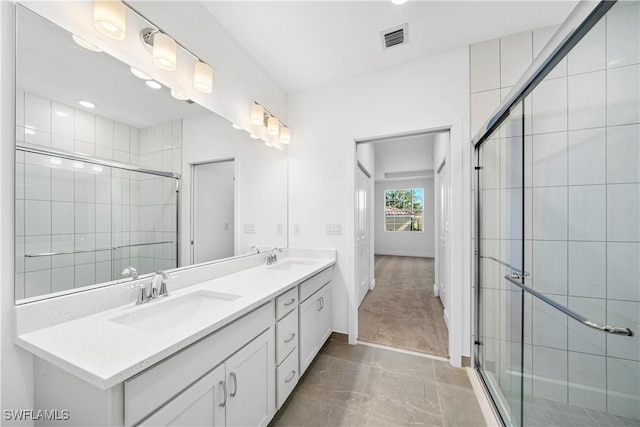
[{"x": 213, "y": 210}]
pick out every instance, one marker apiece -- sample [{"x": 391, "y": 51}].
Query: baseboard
[
  {"x": 435, "y": 290},
  {"x": 339, "y": 336},
  {"x": 446, "y": 318},
  {"x": 409, "y": 254},
  {"x": 372, "y": 284}
]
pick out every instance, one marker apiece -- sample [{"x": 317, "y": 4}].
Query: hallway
[{"x": 402, "y": 311}]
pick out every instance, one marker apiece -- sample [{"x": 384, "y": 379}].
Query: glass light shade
[
  {"x": 398, "y": 2},
  {"x": 273, "y": 126},
  {"x": 110, "y": 18},
  {"x": 257, "y": 115},
  {"x": 164, "y": 51},
  {"x": 153, "y": 84},
  {"x": 285, "y": 135},
  {"x": 203, "y": 77},
  {"x": 139, "y": 74},
  {"x": 177, "y": 95},
  {"x": 85, "y": 44}
]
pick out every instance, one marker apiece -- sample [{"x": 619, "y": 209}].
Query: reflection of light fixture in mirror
[
  {"x": 110, "y": 18},
  {"x": 153, "y": 84},
  {"x": 97, "y": 168},
  {"x": 139, "y": 74},
  {"x": 257, "y": 114},
  {"x": 85, "y": 44},
  {"x": 87, "y": 104},
  {"x": 398, "y": 2},
  {"x": 285, "y": 135},
  {"x": 235, "y": 126},
  {"x": 267, "y": 143},
  {"x": 55, "y": 161},
  {"x": 61, "y": 114},
  {"x": 273, "y": 126},
  {"x": 177, "y": 95},
  {"x": 29, "y": 130},
  {"x": 254, "y": 136},
  {"x": 202, "y": 77},
  {"x": 78, "y": 165},
  {"x": 164, "y": 51}
]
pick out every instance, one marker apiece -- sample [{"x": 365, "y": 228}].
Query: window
[{"x": 403, "y": 210}]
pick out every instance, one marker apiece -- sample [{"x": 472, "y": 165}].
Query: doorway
[
  {"x": 442, "y": 223},
  {"x": 213, "y": 188},
  {"x": 363, "y": 241}
]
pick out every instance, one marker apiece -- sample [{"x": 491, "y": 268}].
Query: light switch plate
[
  {"x": 333, "y": 228},
  {"x": 249, "y": 228},
  {"x": 296, "y": 228}
]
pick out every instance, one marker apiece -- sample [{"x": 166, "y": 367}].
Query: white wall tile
[
  {"x": 62, "y": 185},
  {"x": 121, "y": 137},
  {"x": 104, "y": 132},
  {"x": 37, "y": 218},
  {"x": 37, "y": 112},
  {"x": 36, "y": 245},
  {"x": 37, "y": 283},
  {"x": 549, "y": 159},
  {"x": 516, "y": 54},
  {"x": 541, "y": 37},
  {"x": 550, "y": 265},
  {"x": 134, "y": 141},
  {"x": 37, "y": 137},
  {"x": 587, "y": 156},
  {"x": 623, "y": 95},
  {"x": 103, "y": 272},
  {"x": 623, "y": 271},
  {"x": 550, "y": 213},
  {"x": 549, "y": 324},
  {"x": 103, "y": 188},
  {"x": 85, "y": 187},
  {"x": 623, "y": 154},
  {"x": 62, "y": 143},
  {"x": 85, "y": 275},
  {"x": 37, "y": 180},
  {"x": 485, "y": 65},
  {"x": 121, "y": 156},
  {"x": 167, "y": 136},
  {"x": 104, "y": 152},
  {"x": 624, "y": 314},
  {"x": 86, "y": 148},
  {"x": 588, "y": 269},
  {"x": 19, "y": 217},
  {"x": 85, "y": 126},
  {"x": 62, "y": 279},
  {"x": 623, "y": 35},
  {"x": 103, "y": 218},
  {"x": 62, "y": 218},
  {"x": 19, "y": 286},
  {"x": 623, "y": 205},
  {"x": 62, "y": 121},
  {"x": 589, "y": 54},
  {"x": 582, "y": 338},
  {"x": 20, "y": 108},
  {"x": 587, "y": 100},
  {"x": 587, "y": 212},
  {"x": 549, "y": 104},
  {"x": 623, "y": 387},
  {"x": 483, "y": 104},
  {"x": 550, "y": 373},
  {"x": 62, "y": 243},
  {"x": 588, "y": 381},
  {"x": 176, "y": 136}
]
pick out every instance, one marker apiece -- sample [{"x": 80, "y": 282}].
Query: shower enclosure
[
  {"x": 81, "y": 221},
  {"x": 557, "y": 230}
]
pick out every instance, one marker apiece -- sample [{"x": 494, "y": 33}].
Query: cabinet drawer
[
  {"x": 286, "y": 335},
  {"x": 286, "y": 302},
  {"x": 311, "y": 285},
  {"x": 287, "y": 377}
]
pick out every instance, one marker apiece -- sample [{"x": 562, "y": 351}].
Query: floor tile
[
  {"x": 403, "y": 363},
  {"x": 354, "y": 353},
  {"x": 459, "y": 406},
  {"x": 447, "y": 374}
]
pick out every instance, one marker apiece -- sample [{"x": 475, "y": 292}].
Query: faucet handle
[
  {"x": 142, "y": 294},
  {"x": 163, "y": 292},
  {"x": 130, "y": 271}
]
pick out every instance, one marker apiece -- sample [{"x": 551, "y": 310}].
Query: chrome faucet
[
  {"x": 131, "y": 272},
  {"x": 272, "y": 258},
  {"x": 155, "y": 289},
  {"x": 162, "y": 288}
]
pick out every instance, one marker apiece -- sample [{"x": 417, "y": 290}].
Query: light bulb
[
  {"x": 153, "y": 84},
  {"x": 257, "y": 114},
  {"x": 139, "y": 74},
  {"x": 273, "y": 126},
  {"x": 85, "y": 44},
  {"x": 202, "y": 77},
  {"x": 398, "y": 2},
  {"x": 164, "y": 51},
  {"x": 110, "y": 18},
  {"x": 285, "y": 135},
  {"x": 177, "y": 95}
]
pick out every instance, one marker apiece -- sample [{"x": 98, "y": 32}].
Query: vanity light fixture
[
  {"x": 202, "y": 77},
  {"x": 177, "y": 95},
  {"x": 139, "y": 74},
  {"x": 55, "y": 161},
  {"x": 78, "y": 165},
  {"x": 164, "y": 51},
  {"x": 87, "y": 104},
  {"x": 153, "y": 84},
  {"x": 257, "y": 114},
  {"x": 398, "y": 2},
  {"x": 110, "y": 18},
  {"x": 285, "y": 135},
  {"x": 85, "y": 44},
  {"x": 260, "y": 116},
  {"x": 235, "y": 126},
  {"x": 273, "y": 126}
]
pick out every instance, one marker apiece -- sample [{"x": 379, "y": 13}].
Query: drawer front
[
  {"x": 286, "y": 335},
  {"x": 287, "y": 377},
  {"x": 311, "y": 285},
  {"x": 286, "y": 302}
]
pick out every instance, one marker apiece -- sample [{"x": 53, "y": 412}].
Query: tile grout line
[{"x": 399, "y": 350}]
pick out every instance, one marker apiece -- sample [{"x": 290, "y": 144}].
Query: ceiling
[
  {"x": 304, "y": 44},
  {"x": 408, "y": 157}
]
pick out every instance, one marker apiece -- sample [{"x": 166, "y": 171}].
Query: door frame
[
  {"x": 438, "y": 211},
  {"x": 369, "y": 203}
]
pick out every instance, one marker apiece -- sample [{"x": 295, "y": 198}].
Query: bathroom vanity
[{"x": 225, "y": 351}]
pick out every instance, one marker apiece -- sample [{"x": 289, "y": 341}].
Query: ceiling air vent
[{"x": 395, "y": 36}]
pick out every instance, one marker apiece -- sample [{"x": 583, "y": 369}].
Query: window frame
[{"x": 413, "y": 189}]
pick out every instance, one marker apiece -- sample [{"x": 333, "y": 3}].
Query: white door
[
  {"x": 212, "y": 236},
  {"x": 325, "y": 316},
  {"x": 363, "y": 258},
  {"x": 443, "y": 215},
  {"x": 308, "y": 331}
]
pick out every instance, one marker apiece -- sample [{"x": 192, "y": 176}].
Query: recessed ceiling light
[
  {"x": 78, "y": 165},
  {"x": 87, "y": 104},
  {"x": 153, "y": 84},
  {"x": 55, "y": 161},
  {"x": 177, "y": 95},
  {"x": 85, "y": 44},
  {"x": 139, "y": 74}
]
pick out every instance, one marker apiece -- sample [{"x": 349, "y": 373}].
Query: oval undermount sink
[
  {"x": 171, "y": 313},
  {"x": 291, "y": 264}
]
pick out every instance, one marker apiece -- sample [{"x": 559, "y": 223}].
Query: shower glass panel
[
  {"x": 81, "y": 223},
  {"x": 558, "y": 235}
]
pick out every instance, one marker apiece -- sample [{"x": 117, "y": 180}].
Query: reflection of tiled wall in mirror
[{"x": 62, "y": 207}]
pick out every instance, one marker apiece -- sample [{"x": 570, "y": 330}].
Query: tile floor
[{"x": 366, "y": 386}]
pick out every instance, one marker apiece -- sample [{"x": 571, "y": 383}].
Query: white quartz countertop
[{"x": 105, "y": 352}]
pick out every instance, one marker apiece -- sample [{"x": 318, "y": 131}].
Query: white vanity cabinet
[
  {"x": 315, "y": 317},
  {"x": 286, "y": 344}
]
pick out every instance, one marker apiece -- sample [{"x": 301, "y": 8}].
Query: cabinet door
[
  {"x": 308, "y": 331},
  {"x": 325, "y": 316},
  {"x": 251, "y": 382},
  {"x": 202, "y": 404}
]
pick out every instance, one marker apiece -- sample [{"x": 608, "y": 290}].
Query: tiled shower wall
[
  {"x": 62, "y": 207},
  {"x": 582, "y": 200}
]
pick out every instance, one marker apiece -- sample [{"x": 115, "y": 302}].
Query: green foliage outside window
[{"x": 404, "y": 210}]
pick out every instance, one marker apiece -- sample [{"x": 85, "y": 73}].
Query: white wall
[
  {"x": 413, "y": 243},
  {"x": 425, "y": 94}
]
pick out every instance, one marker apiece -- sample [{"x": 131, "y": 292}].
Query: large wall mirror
[{"x": 113, "y": 173}]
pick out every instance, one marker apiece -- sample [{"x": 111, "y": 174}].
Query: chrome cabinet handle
[
  {"x": 288, "y": 380},
  {"x": 320, "y": 304},
  {"x": 293, "y": 335},
  {"x": 235, "y": 384},
  {"x": 290, "y": 302},
  {"x": 224, "y": 391}
]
